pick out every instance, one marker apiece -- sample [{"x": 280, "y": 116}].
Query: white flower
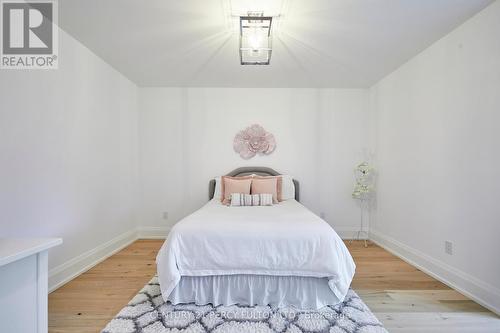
[{"x": 363, "y": 186}]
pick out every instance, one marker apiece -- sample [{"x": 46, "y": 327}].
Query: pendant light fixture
[{"x": 255, "y": 39}]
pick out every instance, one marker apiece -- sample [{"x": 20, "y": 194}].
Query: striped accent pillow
[{"x": 242, "y": 199}]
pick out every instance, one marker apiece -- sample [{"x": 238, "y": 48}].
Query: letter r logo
[{"x": 27, "y": 27}]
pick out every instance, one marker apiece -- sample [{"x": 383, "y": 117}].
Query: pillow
[
  {"x": 287, "y": 188},
  {"x": 240, "y": 199},
  {"x": 217, "y": 191},
  {"x": 234, "y": 185},
  {"x": 271, "y": 184}
]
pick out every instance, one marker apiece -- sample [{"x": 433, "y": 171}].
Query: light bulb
[{"x": 255, "y": 41}]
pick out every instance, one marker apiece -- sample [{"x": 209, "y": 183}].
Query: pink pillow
[
  {"x": 231, "y": 185},
  {"x": 271, "y": 184}
]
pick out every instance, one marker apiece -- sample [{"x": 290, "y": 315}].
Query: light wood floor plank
[
  {"x": 403, "y": 298},
  {"x": 87, "y": 303}
]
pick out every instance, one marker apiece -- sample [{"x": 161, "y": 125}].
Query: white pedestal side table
[{"x": 24, "y": 284}]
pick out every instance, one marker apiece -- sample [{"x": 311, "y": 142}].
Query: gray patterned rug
[{"x": 148, "y": 313}]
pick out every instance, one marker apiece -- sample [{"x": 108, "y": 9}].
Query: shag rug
[{"x": 148, "y": 313}]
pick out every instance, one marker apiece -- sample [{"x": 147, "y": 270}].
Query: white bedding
[{"x": 281, "y": 240}]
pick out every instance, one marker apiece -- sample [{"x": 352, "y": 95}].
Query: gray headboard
[{"x": 245, "y": 171}]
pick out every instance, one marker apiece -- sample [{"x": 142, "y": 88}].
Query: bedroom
[{"x": 117, "y": 141}]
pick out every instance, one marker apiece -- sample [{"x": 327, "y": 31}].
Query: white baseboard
[
  {"x": 152, "y": 232},
  {"x": 350, "y": 233},
  {"x": 69, "y": 270},
  {"x": 66, "y": 272},
  {"x": 479, "y": 291}
]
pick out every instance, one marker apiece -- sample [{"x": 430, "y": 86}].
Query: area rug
[{"x": 148, "y": 313}]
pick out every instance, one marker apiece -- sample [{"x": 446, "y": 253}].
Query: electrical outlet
[
  {"x": 165, "y": 215},
  {"x": 448, "y": 247},
  {"x": 322, "y": 215}
]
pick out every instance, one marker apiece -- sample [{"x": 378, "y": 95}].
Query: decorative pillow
[
  {"x": 240, "y": 199},
  {"x": 263, "y": 199},
  {"x": 271, "y": 184},
  {"x": 231, "y": 185},
  {"x": 287, "y": 188}
]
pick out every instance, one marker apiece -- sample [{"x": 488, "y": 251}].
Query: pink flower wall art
[{"x": 254, "y": 140}]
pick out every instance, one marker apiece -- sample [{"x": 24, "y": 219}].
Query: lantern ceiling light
[{"x": 255, "y": 39}]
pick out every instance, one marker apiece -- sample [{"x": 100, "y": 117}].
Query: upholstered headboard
[{"x": 245, "y": 171}]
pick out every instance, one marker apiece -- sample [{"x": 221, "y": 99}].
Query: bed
[{"x": 280, "y": 255}]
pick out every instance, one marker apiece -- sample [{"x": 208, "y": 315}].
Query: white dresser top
[{"x": 12, "y": 249}]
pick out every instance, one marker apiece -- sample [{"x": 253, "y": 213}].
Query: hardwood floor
[
  {"x": 407, "y": 300},
  {"x": 402, "y": 297},
  {"x": 87, "y": 303}
]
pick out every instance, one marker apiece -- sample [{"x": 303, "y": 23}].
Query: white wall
[
  {"x": 68, "y": 152},
  {"x": 186, "y": 137},
  {"x": 438, "y": 125}
]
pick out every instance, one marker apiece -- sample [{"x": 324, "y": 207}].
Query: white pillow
[
  {"x": 287, "y": 187},
  {"x": 218, "y": 191}
]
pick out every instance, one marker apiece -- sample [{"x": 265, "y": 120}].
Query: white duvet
[{"x": 284, "y": 240}]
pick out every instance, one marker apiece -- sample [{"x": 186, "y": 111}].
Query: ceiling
[{"x": 316, "y": 43}]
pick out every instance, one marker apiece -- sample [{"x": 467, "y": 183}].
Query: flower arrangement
[{"x": 364, "y": 181}]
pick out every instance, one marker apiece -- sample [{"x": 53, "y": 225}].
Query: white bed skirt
[{"x": 279, "y": 291}]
